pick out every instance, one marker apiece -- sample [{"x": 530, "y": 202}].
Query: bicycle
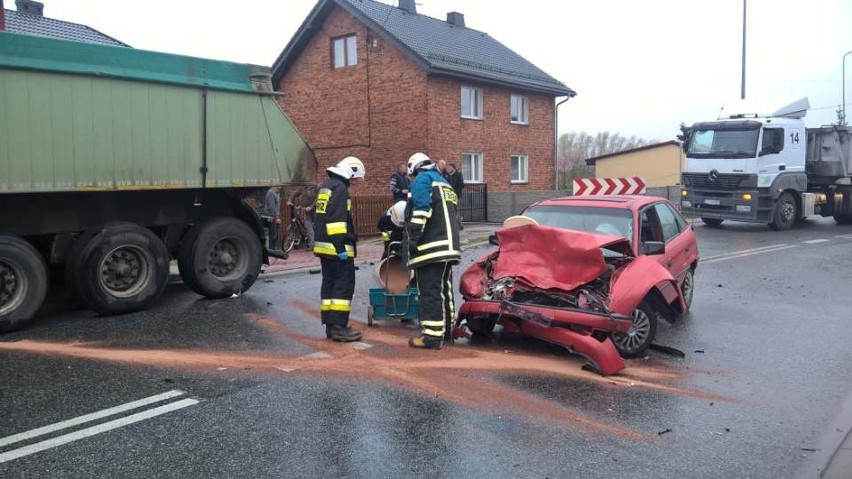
[{"x": 296, "y": 235}]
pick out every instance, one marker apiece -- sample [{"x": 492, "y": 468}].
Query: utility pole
[
  {"x": 842, "y": 82},
  {"x": 742, "y": 88}
]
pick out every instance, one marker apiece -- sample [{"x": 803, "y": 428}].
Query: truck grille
[{"x": 725, "y": 181}]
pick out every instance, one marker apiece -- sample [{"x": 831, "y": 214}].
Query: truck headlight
[
  {"x": 683, "y": 192},
  {"x": 686, "y": 204},
  {"x": 743, "y": 209},
  {"x": 747, "y": 196}
]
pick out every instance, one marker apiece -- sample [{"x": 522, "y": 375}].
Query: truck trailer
[
  {"x": 761, "y": 165},
  {"x": 116, "y": 161}
]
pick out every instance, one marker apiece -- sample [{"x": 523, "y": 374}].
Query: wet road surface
[{"x": 250, "y": 388}]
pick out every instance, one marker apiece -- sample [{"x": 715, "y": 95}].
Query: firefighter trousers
[
  {"x": 437, "y": 310},
  {"x": 338, "y": 286}
]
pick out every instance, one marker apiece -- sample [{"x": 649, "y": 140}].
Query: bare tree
[{"x": 576, "y": 147}]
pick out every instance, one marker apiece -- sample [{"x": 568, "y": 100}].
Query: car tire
[
  {"x": 120, "y": 269},
  {"x": 712, "y": 221},
  {"x": 481, "y": 328},
  {"x": 23, "y": 282},
  {"x": 843, "y": 219},
  {"x": 785, "y": 213},
  {"x": 687, "y": 288},
  {"x": 642, "y": 332},
  {"x": 220, "y": 257}
]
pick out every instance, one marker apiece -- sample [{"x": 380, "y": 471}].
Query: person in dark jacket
[
  {"x": 455, "y": 178},
  {"x": 391, "y": 224},
  {"x": 272, "y": 214},
  {"x": 432, "y": 240},
  {"x": 334, "y": 243},
  {"x": 399, "y": 183}
]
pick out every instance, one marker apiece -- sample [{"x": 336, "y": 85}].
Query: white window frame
[
  {"x": 470, "y": 173},
  {"x": 524, "y": 171},
  {"x": 475, "y": 112},
  {"x": 523, "y": 103},
  {"x": 344, "y": 49}
]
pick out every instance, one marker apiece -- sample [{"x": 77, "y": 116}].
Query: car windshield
[
  {"x": 725, "y": 143},
  {"x": 608, "y": 221}
]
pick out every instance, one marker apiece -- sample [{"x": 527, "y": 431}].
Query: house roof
[
  {"x": 593, "y": 160},
  {"x": 37, "y": 25},
  {"x": 439, "y": 47}
]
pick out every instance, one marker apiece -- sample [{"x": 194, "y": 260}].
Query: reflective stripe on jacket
[
  {"x": 432, "y": 220},
  {"x": 334, "y": 231}
]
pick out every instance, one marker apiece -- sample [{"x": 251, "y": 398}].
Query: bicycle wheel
[{"x": 289, "y": 238}]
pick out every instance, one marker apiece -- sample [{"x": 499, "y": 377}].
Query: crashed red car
[{"x": 592, "y": 271}]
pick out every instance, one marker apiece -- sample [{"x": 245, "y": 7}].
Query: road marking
[
  {"x": 815, "y": 241},
  {"x": 770, "y": 247},
  {"x": 88, "y": 418},
  {"x": 91, "y": 431},
  {"x": 844, "y": 236},
  {"x": 751, "y": 253}
]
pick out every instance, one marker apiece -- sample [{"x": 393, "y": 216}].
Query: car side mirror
[
  {"x": 492, "y": 240},
  {"x": 653, "y": 247}
]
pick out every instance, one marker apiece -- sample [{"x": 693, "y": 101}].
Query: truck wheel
[
  {"x": 641, "y": 334},
  {"x": 712, "y": 221},
  {"x": 785, "y": 213},
  {"x": 120, "y": 269},
  {"x": 220, "y": 257},
  {"x": 843, "y": 219},
  {"x": 23, "y": 282}
]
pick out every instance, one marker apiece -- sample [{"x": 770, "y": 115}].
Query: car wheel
[
  {"x": 641, "y": 334},
  {"x": 712, "y": 221},
  {"x": 220, "y": 257},
  {"x": 120, "y": 269},
  {"x": 23, "y": 282},
  {"x": 687, "y": 288},
  {"x": 481, "y": 327},
  {"x": 785, "y": 213}
]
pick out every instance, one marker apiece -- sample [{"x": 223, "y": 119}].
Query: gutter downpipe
[{"x": 555, "y": 143}]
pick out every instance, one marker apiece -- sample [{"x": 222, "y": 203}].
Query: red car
[{"x": 592, "y": 271}]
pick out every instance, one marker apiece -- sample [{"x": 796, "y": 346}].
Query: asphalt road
[{"x": 248, "y": 387}]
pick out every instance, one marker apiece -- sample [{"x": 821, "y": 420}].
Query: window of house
[
  {"x": 344, "y": 51},
  {"x": 519, "y": 110},
  {"x": 472, "y": 167},
  {"x": 471, "y": 102},
  {"x": 520, "y": 168}
]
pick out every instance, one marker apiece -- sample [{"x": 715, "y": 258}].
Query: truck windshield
[{"x": 725, "y": 143}]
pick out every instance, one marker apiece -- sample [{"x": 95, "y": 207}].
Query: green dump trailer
[{"x": 115, "y": 161}]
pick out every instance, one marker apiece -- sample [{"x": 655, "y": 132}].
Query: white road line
[
  {"x": 774, "y": 246},
  {"x": 88, "y": 418},
  {"x": 752, "y": 253},
  {"x": 91, "y": 431},
  {"x": 843, "y": 236},
  {"x": 815, "y": 241}
]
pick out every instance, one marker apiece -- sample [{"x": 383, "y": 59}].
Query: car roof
[{"x": 628, "y": 202}]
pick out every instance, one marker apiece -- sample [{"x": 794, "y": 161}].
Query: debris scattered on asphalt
[
  {"x": 168, "y": 380},
  {"x": 719, "y": 285},
  {"x": 711, "y": 403},
  {"x": 727, "y": 429},
  {"x": 664, "y": 431},
  {"x": 372, "y": 263},
  {"x": 715, "y": 433},
  {"x": 314, "y": 271},
  {"x": 699, "y": 351},
  {"x": 268, "y": 303},
  {"x": 667, "y": 350},
  {"x": 285, "y": 369},
  {"x": 221, "y": 369},
  {"x": 809, "y": 449},
  {"x": 268, "y": 281}
]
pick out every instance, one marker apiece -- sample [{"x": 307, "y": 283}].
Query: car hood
[{"x": 554, "y": 258}]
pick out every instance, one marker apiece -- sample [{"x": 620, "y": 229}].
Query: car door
[{"x": 679, "y": 239}]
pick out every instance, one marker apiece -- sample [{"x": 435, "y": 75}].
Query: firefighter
[
  {"x": 334, "y": 243},
  {"x": 390, "y": 225},
  {"x": 432, "y": 239}
]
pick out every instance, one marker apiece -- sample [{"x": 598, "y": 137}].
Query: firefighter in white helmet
[
  {"x": 432, "y": 238},
  {"x": 334, "y": 243}
]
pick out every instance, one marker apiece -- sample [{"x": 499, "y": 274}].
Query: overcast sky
[{"x": 639, "y": 67}]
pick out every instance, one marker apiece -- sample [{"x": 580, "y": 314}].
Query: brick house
[
  {"x": 29, "y": 19},
  {"x": 381, "y": 82}
]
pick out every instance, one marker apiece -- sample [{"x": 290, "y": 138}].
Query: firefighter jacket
[
  {"x": 432, "y": 227},
  {"x": 333, "y": 229}
]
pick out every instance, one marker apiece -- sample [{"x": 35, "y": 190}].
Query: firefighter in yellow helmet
[
  {"x": 432, "y": 237},
  {"x": 334, "y": 243}
]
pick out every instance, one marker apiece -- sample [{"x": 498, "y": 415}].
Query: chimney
[
  {"x": 455, "y": 18},
  {"x": 30, "y": 7},
  {"x": 408, "y": 6}
]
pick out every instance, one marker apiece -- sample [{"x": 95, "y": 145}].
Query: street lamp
[{"x": 843, "y": 85}]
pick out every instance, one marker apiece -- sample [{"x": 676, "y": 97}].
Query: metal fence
[{"x": 474, "y": 203}]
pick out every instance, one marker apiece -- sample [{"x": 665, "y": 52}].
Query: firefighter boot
[
  {"x": 345, "y": 334},
  {"x": 425, "y": 342}
]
